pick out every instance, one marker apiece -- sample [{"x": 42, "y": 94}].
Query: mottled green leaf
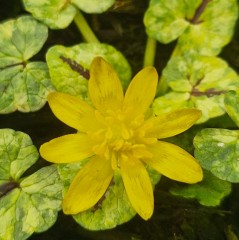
[
  {"x": 23, "y": 85},
  {"x": 115, "y": 209},
  {"x": 112, "y": 209},
  {"x": 26, "y": 205},
  {"x": 20, "y": 39},
  {"x": 217, "y": 150},
  {"x": 54, "y": 13},
  {"x": 93, "y": 6},
  {"x": 60, "y": 13},
  {"x": 170, "y": 101},
  {"x": 32, "y": 206},
  {"x": 69, "y": 66},
  {"x": 199, "y": 82},
  {"x": 232, "y": 106},
  {"x": 210, "y": 192},
  {"x": 202, "y": 26},
  {"x": 17, "y": 154},
  {"x": 24, "y": 88},
  {"x": 166, "y": 20},
  {"x": 43, "y": 192}
]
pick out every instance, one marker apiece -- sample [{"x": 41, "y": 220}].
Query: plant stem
[
  {"x": 162, "y": 87},
  {"x": 150, "y": 52},
  {"x": 84, "y": 28}
]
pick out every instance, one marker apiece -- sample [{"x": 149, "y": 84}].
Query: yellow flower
[{"x": 119, "y": 133}]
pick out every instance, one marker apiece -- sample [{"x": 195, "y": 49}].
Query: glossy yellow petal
[
  {"x": 141, "y": 92},
  {"x": 138, "y": 186},
  {"x": 68, "y": 148},
  {"x": 105, "y": 89},
  {"x": 174, "y": 162},
  {"x": 171, "y": 124},
  {"x": 88, "y": 186},
  {"x": 73, "y": 111}
]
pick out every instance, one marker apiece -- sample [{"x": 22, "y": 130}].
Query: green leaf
[
  {"x": 166, "y": 20},
  {"x": 55, "y": 14},
  {"x": 17, "y": 154},
  {"x": 32, "y": 206},
  {"x": 20, "y": 39},
  {"x": 199, "y": 82},
  {"x": 214, "y": 31},
  {"x": 24, "y": 86},
  {"x": 217, "y": 152},
  {"x": 59, "y": 14},
  {"x": 170, "y": 101},
  {"x": 69, "y": 66},
  {"x": 43, "y": 192},
  {"x": 113, "y": 208},
  {"x": 232, "y": 106},
  {"x": 202, "y": 26},
  {"x": 93, "y": 6},
  {"x": 26, "y": 205},
  {"x": 217, "y": 188}
]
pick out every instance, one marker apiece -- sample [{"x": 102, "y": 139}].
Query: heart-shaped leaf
[
  {"x": 60, "y": 13},
  {"x": 93, "y": 6},
  {"x": 20, "y": 39},
  {"x": 217, "y": 152},
  {"x": 24, "y": 86},
  {"x": 199, "y": 82},
  {"x": 113, "y": 208},
  {"x": 26, "y": 205},
  {"x": 202, "y": 26},
  {"x": 17, "y": 154},
  {"x": 69, "y": 66}
]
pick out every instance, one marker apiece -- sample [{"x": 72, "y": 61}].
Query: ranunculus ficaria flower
[{"x": 118, "y": 133}]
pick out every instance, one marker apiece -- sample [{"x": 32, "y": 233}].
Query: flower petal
[
  {"x": 73, "y": 111},
  {"x": 171, "y": 124},
  {"x": 138, "y": 186},
  {"x": 88, "y": 186},
  {"x": 141, "y": 92},
  {"x": 105, "y": 89},
  {"x": 68, "y": 148},
  {"x": 174, "y": 162}
]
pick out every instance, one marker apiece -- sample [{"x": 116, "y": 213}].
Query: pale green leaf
[
  {"x": 58, "y": 14},
  {"x": 213, "y": 31},
  {"x": 69, "y": 66},
  {"x": 217, "y": 151},
  {"x": 166, "y": 20},
  {"x": 113, "y": 209},
  {"x": 197, "y": 82},
  {"x": 93, "y": 6},
  {"x": 170, "y": 102},
  {"x": 20, "y": 39},
  {"x": 24, "y": 86},
  {"x": 32, "y": 206},
  {"x": 54, "y": 13},
  {"x": 17, "y": 154},
  {"x": 210, "y": 192},
  {"x": 26, "y": 205},
  {"x": 202, "y": 26}
]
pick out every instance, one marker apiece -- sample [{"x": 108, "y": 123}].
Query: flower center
[{"x": 120, "y": 137}]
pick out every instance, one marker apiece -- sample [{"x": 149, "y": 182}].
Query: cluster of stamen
[{"x": 120, "y": 137}]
